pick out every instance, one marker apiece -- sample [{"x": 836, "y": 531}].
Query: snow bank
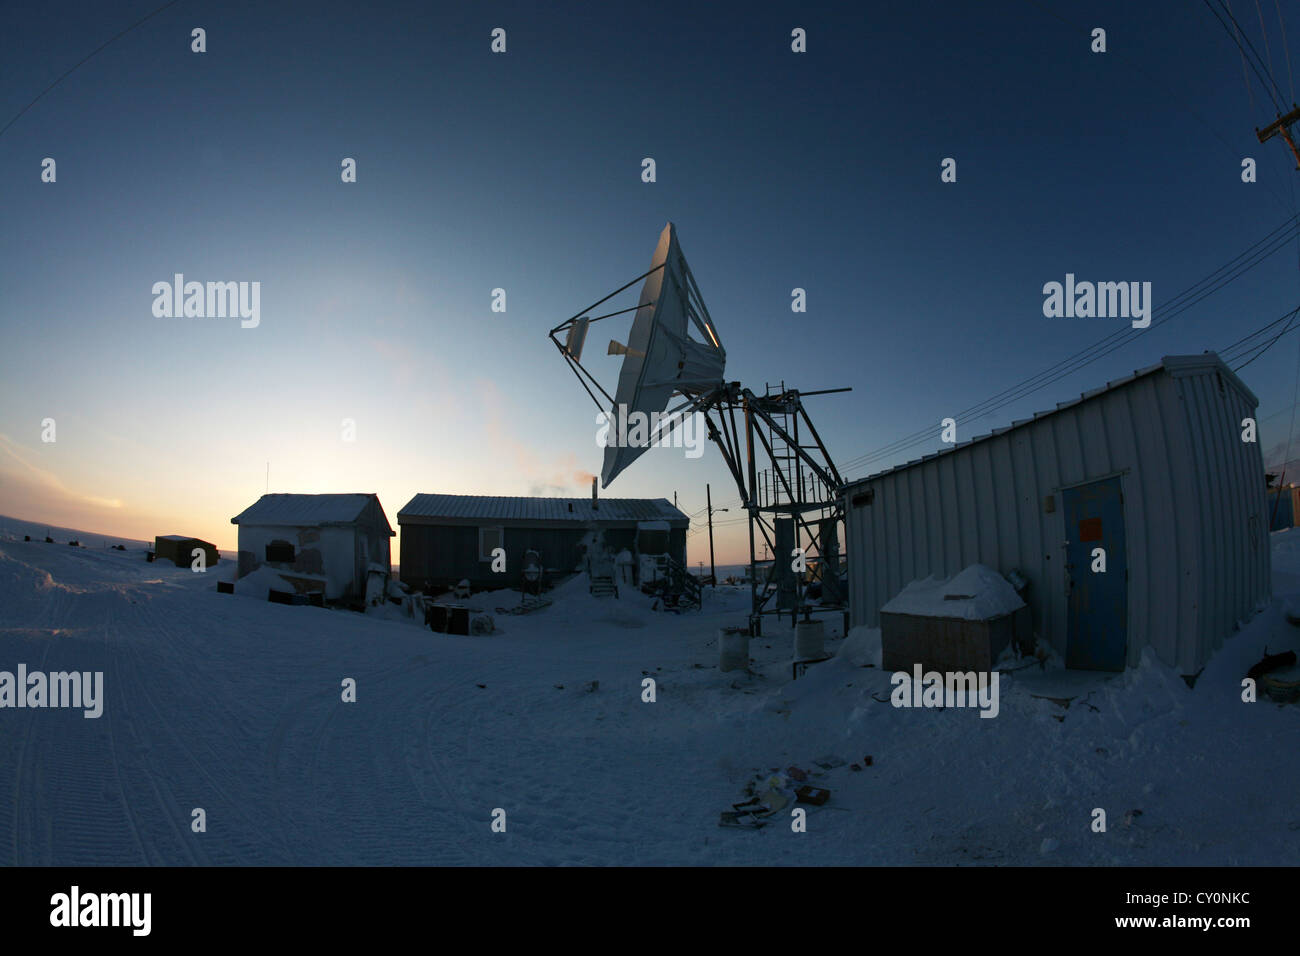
[
  {"x": 977, "y": 593},
  {"x": 260, "y": 583},
  {"x": 862, "y": 647}
]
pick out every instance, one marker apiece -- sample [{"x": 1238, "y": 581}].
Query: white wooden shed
[{"x": 328, "y": 543}]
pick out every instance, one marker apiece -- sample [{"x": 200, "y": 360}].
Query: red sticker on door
[{"x": 1090, "y": 529}]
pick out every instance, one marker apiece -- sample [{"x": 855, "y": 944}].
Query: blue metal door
[{"x": 1097, "y": 601}]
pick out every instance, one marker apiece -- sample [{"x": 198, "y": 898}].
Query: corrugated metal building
[
  {"x": 449, "y": 538},
  {"x": 1152, "y": 468},
  {"x": 326, "y": 543}
]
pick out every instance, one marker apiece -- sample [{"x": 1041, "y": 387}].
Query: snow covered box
[
  {"x": 962, "y": 624},
  {"x": 328, "y": 544}
]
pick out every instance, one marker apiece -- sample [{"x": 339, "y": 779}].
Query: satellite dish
[
  {"x": 797, "y": 500},
  {"x": 660, "y": 360}
]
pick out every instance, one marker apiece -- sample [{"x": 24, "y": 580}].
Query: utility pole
[
  {"x": 713, "y": 570},
  {"x": 1282, "y": 127}
]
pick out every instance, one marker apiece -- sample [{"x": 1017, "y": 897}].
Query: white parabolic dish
[{"x": 661, "y": 359}]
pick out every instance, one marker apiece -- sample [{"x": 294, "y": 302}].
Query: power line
[
  {"x": 1236, "y": 267},
  {"x": 1264, "y": 348},
  {"x": 1263, "y": 32},
  {"x": 1227, "y": 349},
  {"x": 1245, "y": 77},
  {"x": 1285, "y": 48},
  {"x": 1155, "y": 81},
  {"x": 1272, "y": 241},
  {"x": 83, "y": 61},
  {"x": 1237, "y": 38}
]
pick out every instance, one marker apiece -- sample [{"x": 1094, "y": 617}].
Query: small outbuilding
[
  {"x": 1133, "y": 516},
  {"x": 179, "y": 550},
  {"x": 449, "y": 538},
  {"x": 329, "y": 544}
]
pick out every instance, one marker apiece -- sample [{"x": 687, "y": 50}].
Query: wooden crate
[{"x": 947, "y": 643}]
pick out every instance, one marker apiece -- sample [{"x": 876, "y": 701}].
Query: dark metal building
[{"x": 449, "y": 538}]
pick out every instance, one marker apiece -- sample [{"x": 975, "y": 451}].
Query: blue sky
[{"x": 522, "y": 171}]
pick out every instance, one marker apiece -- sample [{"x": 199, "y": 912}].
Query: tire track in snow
[
  {"x": 61, "y": 793},
  {"x": 225, "y": 854},
  {"x": 24, "y": 753},
  {"x": 166, "y": 809},
  {"x": 381, "y": 800},
  {"x": 305, "y": 810},
  {"x": 429, "y": 762}
]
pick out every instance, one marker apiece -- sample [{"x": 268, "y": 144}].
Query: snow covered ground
[{"x": 234, "y": 705}]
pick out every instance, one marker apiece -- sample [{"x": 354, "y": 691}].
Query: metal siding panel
[
  {"x": 900, "y": 515},
  {"x": 950, "y": 515},
  {"x": 1195, "y": 406},
  {"x": 1051, "y": 584},
  {"x": 1242, "y": 550},
  {"x": 934, "y": 514},
  {"x": 877, "y": 526},
  {"x": 1148, "y": 571},
  {"x": 967, "y": 508},
  {"x": 893, "y": 491},
  {"x": 982, "y": 485},
  {"x": 917, "y": 532},
  {"x": 1027, "y": 509},
  {"x": 1185, "y": 518},
  {"x": 1213, "y": 527},
  {"x": 1093, "y": 440},
  {"x": 1004, "y": 490},
  {"x": 1031, "y": 525},
  {"x": 1240, "y": 513},
  {"x": 1069, "y": 453},
  {"x": 1240, "y": 475},
  {"x": 881, "y": 504},
  {"x": 1231, "y": 506},
  {"x": 872, "y": 552},
  {"x": 1155, "y": 522}
]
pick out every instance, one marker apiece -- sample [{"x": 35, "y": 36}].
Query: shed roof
[
  {"x": 1176, "y": 365},
  {"x": 436, "y": 509},
  {"x": 310, "y": 511}
]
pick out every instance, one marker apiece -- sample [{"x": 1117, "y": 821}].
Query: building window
[
  {"x": 279, "y": 552},
  {"x": 489, "y": 539}
]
